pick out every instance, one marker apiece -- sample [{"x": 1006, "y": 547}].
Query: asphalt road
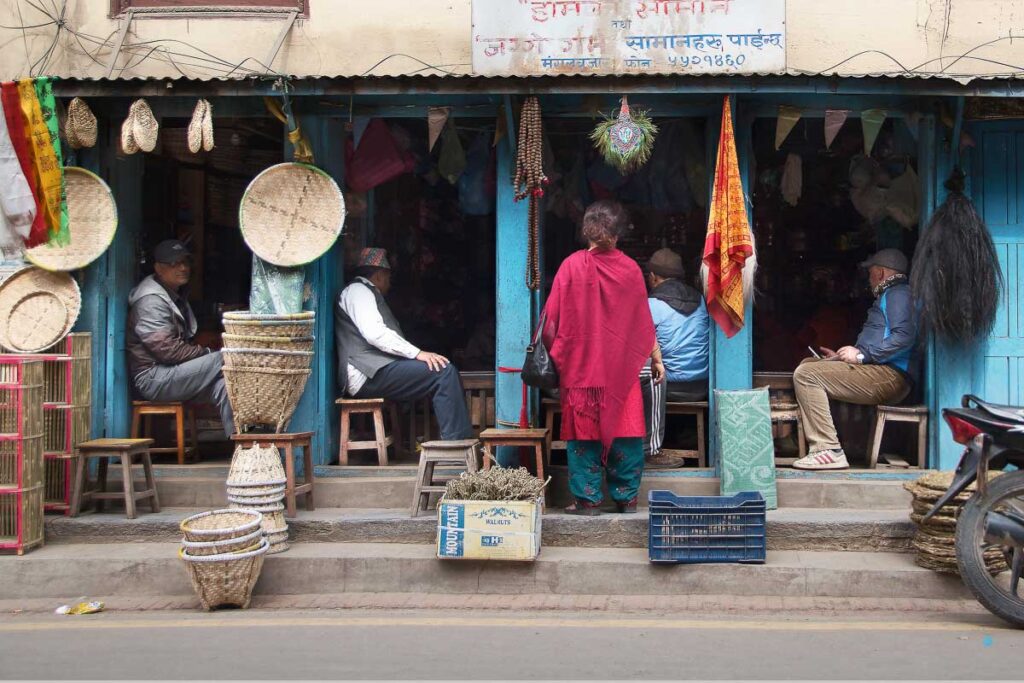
[{"x": 464, "y": 645}]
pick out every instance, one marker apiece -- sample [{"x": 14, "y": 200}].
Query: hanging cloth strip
[
  {"x": 45, "y": 150},
  {"x": 17, "y": 128},
  {"x": 17, "y": 203},
  {"x": 729, "y": 242}
]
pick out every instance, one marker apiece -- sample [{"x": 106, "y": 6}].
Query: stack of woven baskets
[
  {"x": 935, "y": 540},
  {"x": 256, "y": 482},
  {"x": 223, "y": 551},
  {"x": 267, "y": 360}
]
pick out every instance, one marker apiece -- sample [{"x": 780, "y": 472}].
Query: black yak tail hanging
[{"x": 956, "y": 278}]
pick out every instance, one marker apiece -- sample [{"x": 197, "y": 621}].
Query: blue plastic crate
[{"x": 700, "y": 529}]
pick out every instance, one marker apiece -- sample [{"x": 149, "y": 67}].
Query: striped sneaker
[{"x": 823, "y": 460}]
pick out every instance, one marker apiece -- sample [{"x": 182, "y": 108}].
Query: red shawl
[
  {"x": 599, "y": 332},
  {"x": 17, "y": 127}
]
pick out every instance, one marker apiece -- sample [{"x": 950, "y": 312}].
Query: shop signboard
[{"x": 533, "y": 37}]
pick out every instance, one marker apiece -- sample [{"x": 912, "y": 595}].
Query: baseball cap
[
  {"x": 171, "y": 251},
  {"x": 888, "y": 258}
]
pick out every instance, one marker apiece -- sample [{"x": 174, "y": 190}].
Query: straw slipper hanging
[
  {"x": 207, "y": 127},
  {"x": 80, "y": 127},
  {"x": 128, "y": 143},
  {"x": 144, "y": 126},
  {"x": 195, "y": 127}
]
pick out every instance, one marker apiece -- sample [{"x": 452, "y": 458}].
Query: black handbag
[{"x": 538, "y": 368}]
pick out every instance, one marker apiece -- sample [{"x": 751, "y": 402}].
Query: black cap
[
  {"x": 892, "y": 259},
  {"x": 171, "y": 252}
]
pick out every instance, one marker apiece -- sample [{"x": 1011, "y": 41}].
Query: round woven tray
[
  {"x": 220, "y": 525},
  {"x": 291, "y": 214},
  {"x": 92, "y": 222},
  {"x": 37, "y": 309}
]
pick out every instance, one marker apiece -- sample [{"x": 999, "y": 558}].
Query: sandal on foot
[
  {"x": 583, "y": 509},
  {"x": 626, "y": 507}
]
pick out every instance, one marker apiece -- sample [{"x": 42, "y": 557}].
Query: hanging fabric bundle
[
  {"x": 956, "y": 278},
  {"x": 17, "y": 129},
  {"x": 729, "y": 257},
  {"x": 625, "y": 141},
  {"x": 530, "y": 180},
  {"x": 17, "y": 203},
  {"x": 39, "y": 109}
]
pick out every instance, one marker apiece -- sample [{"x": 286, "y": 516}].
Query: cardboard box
[{"x": 488, "y": 530}]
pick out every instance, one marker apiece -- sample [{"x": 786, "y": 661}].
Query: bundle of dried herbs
[{"x": 497, "y": 483}]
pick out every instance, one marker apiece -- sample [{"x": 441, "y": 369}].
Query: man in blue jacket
[
  {"x": 681, "y": 325},
  {"x": 879, "y": 369}
]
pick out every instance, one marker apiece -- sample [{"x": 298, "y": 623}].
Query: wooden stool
[
  {"x": 459, "y": 453},
  {"x": 552, "y": 407},
  {"x": 535, "y": 438},
  {"x": 125, "y": 449},
  {"x": 177, "y": 410},
  {"x": 698, "y": 409},
  {"x": 914, "y": 414},
  {"x": 289, "y": 442},
  {"x": 367, "y": 406},
  {"x": 790, "y": 412}
]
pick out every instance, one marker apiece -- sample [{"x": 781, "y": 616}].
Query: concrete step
[
  {"x": 153, "y": 569},
  {"x": 812, "y": 529},
  {"x": 373, "y": 487}
]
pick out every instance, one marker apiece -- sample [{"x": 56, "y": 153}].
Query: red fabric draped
[
  {"x": 599, "y": 332},
  {"x": 17, "y": 128}
]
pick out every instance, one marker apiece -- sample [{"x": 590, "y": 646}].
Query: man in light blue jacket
[{"x": 681, "y": 325}]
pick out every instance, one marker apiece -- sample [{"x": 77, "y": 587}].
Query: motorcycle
[{"x": 993, "y": 517}]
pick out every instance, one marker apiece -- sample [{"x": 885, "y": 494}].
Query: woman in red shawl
[{"x": 600, "y": 334}]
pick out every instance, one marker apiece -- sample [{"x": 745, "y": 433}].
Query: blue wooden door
[{"x": 997, "y": 187}]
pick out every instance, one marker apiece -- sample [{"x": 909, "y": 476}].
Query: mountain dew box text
[{"x": 488, "y": 530}]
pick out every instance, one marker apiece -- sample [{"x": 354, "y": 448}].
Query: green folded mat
[{"x": 747, "y": 452}]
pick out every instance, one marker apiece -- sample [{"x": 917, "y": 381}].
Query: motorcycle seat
[{"x": 1003, "y": 412}]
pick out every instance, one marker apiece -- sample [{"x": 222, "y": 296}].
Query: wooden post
[{"x": 513, "y": 297}]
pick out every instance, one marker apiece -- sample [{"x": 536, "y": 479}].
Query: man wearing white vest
[{"x": 376, "y": 361}]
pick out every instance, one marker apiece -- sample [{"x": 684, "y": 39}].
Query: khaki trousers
[{"x": 816, "y": 381}]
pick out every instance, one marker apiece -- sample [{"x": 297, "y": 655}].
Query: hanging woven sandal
[
  {"x": 195, "y": 127},
  {"x": 80, "y": 127},
  {"x": 128, "y": 144},
  {"x": 145, "y": 127},
  {"x": 207, "y": 127}
]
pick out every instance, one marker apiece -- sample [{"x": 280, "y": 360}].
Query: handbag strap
[{"x": 540, "y": 327}]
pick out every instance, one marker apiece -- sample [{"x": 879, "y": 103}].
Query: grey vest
[{"x": 352, "y": 348}]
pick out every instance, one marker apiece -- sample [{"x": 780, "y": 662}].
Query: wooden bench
[
  {"x": 784, "y": 408},
  {"x": 913, "y": 414},
  {"x": 289, "y": 442},
  {"x": 461, "y": 453},
  {"x": 142, "y": 416},
  {"x": 125, "y": 450},
  {"x": 530, "y": 438},
  {"x": 382, "y": 440}
]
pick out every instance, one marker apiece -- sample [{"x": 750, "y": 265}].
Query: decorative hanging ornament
[
  {"x": 529, "y": 181},
  {"x": 625, "y": 142}
]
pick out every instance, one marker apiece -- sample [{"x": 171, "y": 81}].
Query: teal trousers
[{"x": 624, "y": 470}]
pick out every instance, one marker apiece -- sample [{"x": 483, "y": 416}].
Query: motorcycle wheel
[{"x": 993, "y": 592}]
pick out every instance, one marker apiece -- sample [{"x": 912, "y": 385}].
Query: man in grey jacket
[
  {"x": 376, "y": 361},
  {"x": 881, "y": 368},
  {"x": 164, "y": 362}
]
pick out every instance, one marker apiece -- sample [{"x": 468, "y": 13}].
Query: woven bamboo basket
[
  {"x": 231, "y": 545},
  {"x": 261, "y": 508},
  {"x": 249, "y": 501},
  {"x": 257, "y": 466},
  {"x": 267, "y": 358},
  {"x": 291, "y": 214},
  {"x": 220, "y": 525},
  {"x": 274, "y": 522},
  {"x": 92, "y": 222},
  {"x": 245, "y": 324},
  {"x": 264, "y": 396},
  {"x": 37, "y": 309},
  {"x": 245, "y": 491},
  {"x": 252, "y": 341},
  {"x": 226, "y": 579},
  {"x": 21, "y": 423}
]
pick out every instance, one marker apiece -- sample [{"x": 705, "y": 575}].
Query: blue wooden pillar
[
  {"x": 732, "y": 359},
  {"x": 513, "y": 297},
  {"x": 316, "y": 411}
]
